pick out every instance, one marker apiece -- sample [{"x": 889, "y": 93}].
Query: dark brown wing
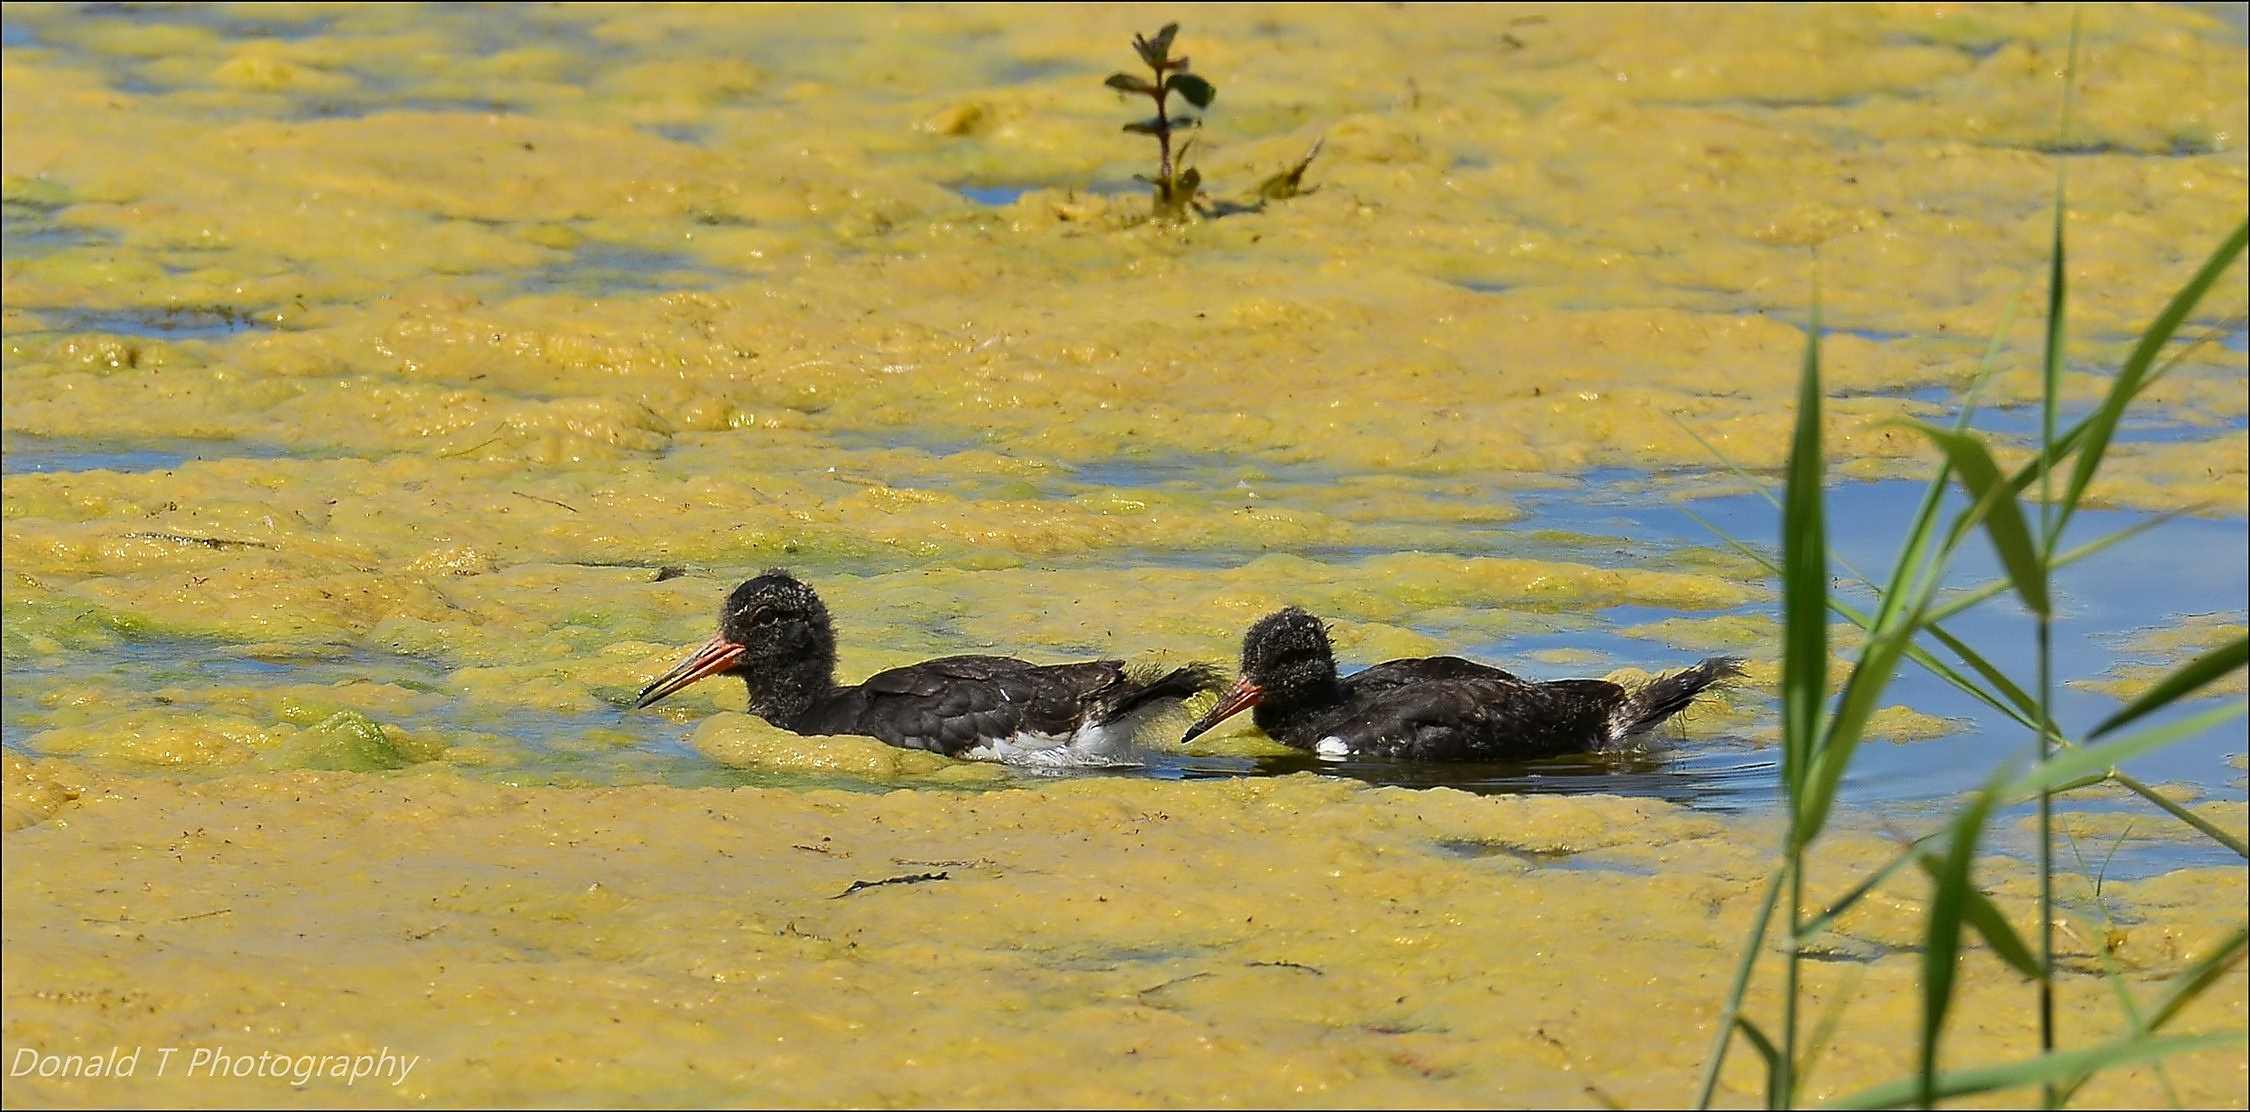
[
  {"x": 1477, "y": 717},
  {"x": 960, "y": 702},
  {"x": 1397, "y": 673}
]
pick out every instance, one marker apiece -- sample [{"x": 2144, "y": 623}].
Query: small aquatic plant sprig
[{"x": 1176, "y": 183}]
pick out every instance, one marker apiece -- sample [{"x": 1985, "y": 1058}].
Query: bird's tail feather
[
  {"x": 1177, "y": 685},
  {"x": 1667, "y": 695}
]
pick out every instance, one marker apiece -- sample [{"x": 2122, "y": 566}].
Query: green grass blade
[
  {"x": 1742, "y": 969},
  {"x": 1996, "y": 506},
  {"x": 1804, "y": 559},
  {"x": 2111, "y": 975},
  {"x": 2164, "y": 803},
  {"x": 2061, "y": 1065},
  {"x": 2016, "y": 696},
  {"x": 1877, "y": 664},
  {"x": 1812, "y": 927},
  {"x": 2090, "y": 760},
  {"x": 1915, "y": 552},
  {"x": 2017, "y": 705},
  {"x": 1985, "y": 918},
  {"x": 1941, "y": 949},
  {"x": 1765, "y": 1048},
  {"x": 2198, "y": 977},
  {"x": 1914, "y": 653},
  {"x": 1966, "y": 599},
  {"x": 2101, "y": 424},
  {"x": 2184, "y": 681},
  {"x": 2068, "y": 442}
]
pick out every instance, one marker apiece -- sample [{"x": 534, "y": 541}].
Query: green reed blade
[
  {"x": 2089, "y": 760},
  {"x": 2034, "y": 1071},
  {"x": 1971, "y": 597},
  {"x": 1812, "y": 927},
  {"x": 2182, "y": 682},
  {"x": 1742, "y": 969},
  {"x": 1996, "y": 506},
  {"x": 2167, "y": 805},
  {"x": 1804, "y": 558},
  {"x": 1941, "y": 947},
  {"x": 1775, "y": 1077},
  {"x": 2101, "y": 424},
  {"x": 1877, "y": 665},
  {"x": 1985, "y": 917},
  {"x": 2190, "y": 983}
]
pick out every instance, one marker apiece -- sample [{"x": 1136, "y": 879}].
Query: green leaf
[
  {"x": 2024, "y": 706},
  {"x": 1941, "y": 948},
  {"x": 1984, "y": 916},
  {"x": 2184, "y": 680},
  {"x": 1873, "y": 671},
  {"x": 1197, "y": 91},
  {"x": 1127, "y": 83},
  {"x": 1150, "y": 126},
  {"x": 1765, "y": 1048},
  {"x": 2101, "y": 425},
  {"x": 2191, "y": 983},
  {"x": 1743, "y": 966},
  {"x": 2164, "y": 803},
  {"x": 2051, "y": 353},
  {"x": 1966, "y": 599},
  {"x": 1154, "y": 48},
  {"x": 1289, "y": 183},
  {"x": 1996, "y": 506},
  {"x": 2094, "y": 760},
  {"x": 1812, "y": 927},
  {"x": 2183, "y": 990},
  {"x": 1804, "y": 560},
  {"x": 2060, "y": 1065}
]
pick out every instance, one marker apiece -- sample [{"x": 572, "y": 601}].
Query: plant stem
[
  {"x": 1163, "y": 137},
  {"x": 2050, "y": 533},
  {"x": 1733, "y": 1009},
  {"x": 1786, "y": 1069},
  {"x": 2046, "y": 848}
]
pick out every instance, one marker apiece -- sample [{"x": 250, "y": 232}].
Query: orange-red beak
[
  {"x": 716, "y": 656},
  {"x": 1241, "y": 697}
]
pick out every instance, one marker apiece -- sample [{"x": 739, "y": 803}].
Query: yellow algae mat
[{"x": 390, "y": 391}]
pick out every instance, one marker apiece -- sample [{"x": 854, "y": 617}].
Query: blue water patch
[
  {"x": 154, "y": 322},
  {"x": 2187, "y": 566},
  {"x": 2141, "y": 424},
  {"x": 553, "y": 745},
  {"x": 994, "y": 195},
  {"x": 232, "y": 20},
  {"x": 597, "y": 269},
  {"x": 1023, "y": 71},
  {"x": 34, "y": 455},
  {"x": 374, "y": 102},
  {"x": 691, "y": 134},
  {"x": 30, "y": 230},
  {"x": 1215, "y": 471}
]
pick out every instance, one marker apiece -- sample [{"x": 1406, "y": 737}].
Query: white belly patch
[{"x": 1088, "y": 747}]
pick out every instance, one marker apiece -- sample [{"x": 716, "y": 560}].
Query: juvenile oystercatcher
[
  {"x": 1436, "y": 708},
  {"x": 775, "y": 635}
]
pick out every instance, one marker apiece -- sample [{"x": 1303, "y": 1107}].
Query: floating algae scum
[{"x": 389, "y": 391}]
